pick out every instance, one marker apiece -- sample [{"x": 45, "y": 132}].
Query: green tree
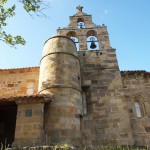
[{"x": 30, "y": 6}]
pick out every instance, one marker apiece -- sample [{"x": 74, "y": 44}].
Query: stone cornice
[{"x": 135, "y": 73}]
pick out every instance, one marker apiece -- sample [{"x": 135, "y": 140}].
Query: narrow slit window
[
  {"x": 138, "y": 109},
  {"x": 84, "y": 104}
]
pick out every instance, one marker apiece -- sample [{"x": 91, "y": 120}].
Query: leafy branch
[{"x": 30, "y": 6}]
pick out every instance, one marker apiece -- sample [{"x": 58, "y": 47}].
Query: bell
[
  {"x": 81, "y": 25},
  {"x": 93, "y": 45}
]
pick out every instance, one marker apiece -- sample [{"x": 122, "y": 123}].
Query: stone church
[{"x": 78, "y": 95}]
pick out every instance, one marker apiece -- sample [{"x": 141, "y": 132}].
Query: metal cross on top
[{"x": 79, "y": 8}]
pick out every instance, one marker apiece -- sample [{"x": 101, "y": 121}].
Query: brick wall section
[
  {"x": 13, "y": 82},
  {"x": 137, "y": 87}
]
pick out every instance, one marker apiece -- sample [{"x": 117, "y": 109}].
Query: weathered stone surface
[
  {"x": 15, "y": 82},
  {"x": 61, "y": 124},
  {"x": 93, "y": 102},
  {"x": 147, "y": 129},
  {"x": 29, "y": 126}
]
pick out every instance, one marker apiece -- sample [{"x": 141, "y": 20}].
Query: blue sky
[{"x": 128, "y": 23}]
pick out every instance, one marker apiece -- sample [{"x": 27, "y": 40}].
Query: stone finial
[{"x": 79, "y": 8}]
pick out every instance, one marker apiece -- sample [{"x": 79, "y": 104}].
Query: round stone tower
[{"x": 60, "y": 78}]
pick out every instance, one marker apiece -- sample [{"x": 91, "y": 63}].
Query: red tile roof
[
  {"x": 27, "y": 99},
  {"x": 20, "y": 68}
]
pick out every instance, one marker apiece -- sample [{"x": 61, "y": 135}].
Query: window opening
[
  {"x": 138, "y": 109},
  {"x": 84, "y": 99},
  {"x": 92, "y": 43},
  {"x": 76, "y": 42},
  {"x": 81, "y": 25},
  {"x": 28, "y": 112}
]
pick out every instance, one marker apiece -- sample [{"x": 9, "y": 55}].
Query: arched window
[
  {"x": 80, "y": 23},
  {"x": 138, "y": 109},
  {"x": 73, "y": 36},
  {"x": 138, "y": 105},
  {"x": 92, "y": 40}
]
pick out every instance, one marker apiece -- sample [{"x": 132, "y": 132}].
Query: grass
[{"x": 68, "y": 147}]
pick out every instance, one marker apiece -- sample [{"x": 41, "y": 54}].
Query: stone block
[
  {"x": 37, "y": 127},
  {"x": 54, "y": 132},
  {"x": 147, "y": 129},
  {"x": 18, "y": 128},
  {"x": 87, "y": 82},
  {"x": 27, "y": 127}
]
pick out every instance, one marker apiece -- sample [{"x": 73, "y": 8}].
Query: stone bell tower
[
  {"x": 105, "y": 115},
  {"x": 81, "y": 29}
]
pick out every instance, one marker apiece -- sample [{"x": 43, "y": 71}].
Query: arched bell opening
[
  {"x": 80, "y": 23},
  {"x": 92, "y": 40},
  {"x": 73, "y": 36}
]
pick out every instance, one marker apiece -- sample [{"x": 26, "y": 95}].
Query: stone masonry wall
[
  {"x": 13, "y": 82},
  {"x": 60, "y": 78},
  {"x": 107, "y": 119},
  {"x": 137, "y": 87},
  {"x": 29, "y": 124},
  {"x": 88, "y": 78}
]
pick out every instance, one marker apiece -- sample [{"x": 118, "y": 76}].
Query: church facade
[{"x": 78, "y": 95}]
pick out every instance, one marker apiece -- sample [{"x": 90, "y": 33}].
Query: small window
[
  {"x": 73, "y": 36},
  {"x": 28, "y": 112},
  {"x": 92, "y": 43},
  {"x": 137, "y": 107},
  {"x": 85, "y": 99},
  {"x": 76, "y": 42}
]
